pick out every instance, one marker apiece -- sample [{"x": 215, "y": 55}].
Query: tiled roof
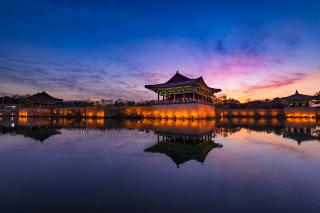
[
  {"x": 179, "y": 80},
  {"x": 298, "y": 97},
  {"x": 43, "y": 97}
]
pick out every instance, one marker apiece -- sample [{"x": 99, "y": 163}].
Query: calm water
[{"x": 238, "y": 165}]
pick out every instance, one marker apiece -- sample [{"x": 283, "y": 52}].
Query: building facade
[
  {"x": 298, "y": 100},
  {"x": 180, "y": 88}
]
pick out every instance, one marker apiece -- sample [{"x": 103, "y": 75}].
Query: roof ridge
[{"x": 178, "y": 78}]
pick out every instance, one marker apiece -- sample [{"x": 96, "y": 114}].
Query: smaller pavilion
[
  {"x": 180, "y": 88},
  {"x": 298, "y": 100},
  {"x": 42, "y": 100}
]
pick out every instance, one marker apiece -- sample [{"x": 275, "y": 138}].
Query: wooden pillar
[
  {"x": 183, "y": 96},
  {"x": 174, "y": 97},
  {"x": 193, "y": 95},
  {"x": 158, "y": 97}
]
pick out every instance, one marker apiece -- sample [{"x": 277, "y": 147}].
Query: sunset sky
[{"x": 111, "y": 49}]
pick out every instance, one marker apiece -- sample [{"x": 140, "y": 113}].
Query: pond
[{"x": 224, "y": 165}]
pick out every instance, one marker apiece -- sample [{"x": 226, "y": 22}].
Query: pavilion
[
  {"x": 42, "y": 100},
  {"x": 298, "y": 100},
  {"x": 183, "y": 89}
]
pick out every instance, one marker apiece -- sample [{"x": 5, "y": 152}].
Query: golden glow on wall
[
  {"x": 183, "y": 126},
  {"x": 22, "y": 119},
  {"x": 23, "y": 113},
  {"x": 169, "y": 111},
  {"x": 300, "y": 112},
  {"x": 91, "y": 112},
  {"x": 301, "y": 121},
  {"x": 249, "y": 112}
]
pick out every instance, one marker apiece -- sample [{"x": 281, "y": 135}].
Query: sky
[{"x": 111, "y": 49}]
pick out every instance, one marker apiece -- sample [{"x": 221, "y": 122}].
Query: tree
[{"x": 224, "y": 101}]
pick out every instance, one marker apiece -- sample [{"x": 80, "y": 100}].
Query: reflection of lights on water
[
  {"x": 12, "y": 125},
  {"x": 11, "y": 118}
]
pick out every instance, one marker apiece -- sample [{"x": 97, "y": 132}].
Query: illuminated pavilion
[
  {"x": 183, "y": 89},
  {"x": 298, "y": 100}
]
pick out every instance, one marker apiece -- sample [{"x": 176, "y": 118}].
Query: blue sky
[{"x": 111, "y": 49}]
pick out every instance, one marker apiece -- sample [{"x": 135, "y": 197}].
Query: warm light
[
  {"x": 23, "y": 113},
  {"x": 22, "y": 119}
]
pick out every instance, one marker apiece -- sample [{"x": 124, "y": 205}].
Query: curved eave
[
  {"x": 299, "y": 98},
  {"x": 214, "y": 90},
  {"x": 156, "y": 87}
]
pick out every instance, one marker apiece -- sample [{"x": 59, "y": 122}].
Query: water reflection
[
  {"x": 101, "y": 163},
  {"x": 184, "y": 147},
  {"x": 298, "y": 129},
  {"x": 40, "y": 129}
]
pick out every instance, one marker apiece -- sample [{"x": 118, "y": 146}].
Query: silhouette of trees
[{"x": 224, "y": 101}]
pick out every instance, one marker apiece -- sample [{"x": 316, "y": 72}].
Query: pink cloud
[{"x": 285, "y": 81}]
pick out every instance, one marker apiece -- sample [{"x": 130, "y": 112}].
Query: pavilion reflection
[
  {"x": 302, "y": 129},
  {"x": 297, "y": 129},
  {"x": 38, "y": 129},
  {"x": 183, "y": 148},
  {"x": 184, "y": 140}
]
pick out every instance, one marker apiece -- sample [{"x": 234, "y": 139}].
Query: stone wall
[
  {"x": 185, "y": 110},
  {"x": 299, "y": 112},
  {"x": 181, "y": 110},
  {"x": 249, "y": 112},
  {"x": 94, "y": 112},
  {"x": 34, "y": 112}
]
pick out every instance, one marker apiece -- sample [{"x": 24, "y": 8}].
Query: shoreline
[{"x": 182, "y": 111}]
